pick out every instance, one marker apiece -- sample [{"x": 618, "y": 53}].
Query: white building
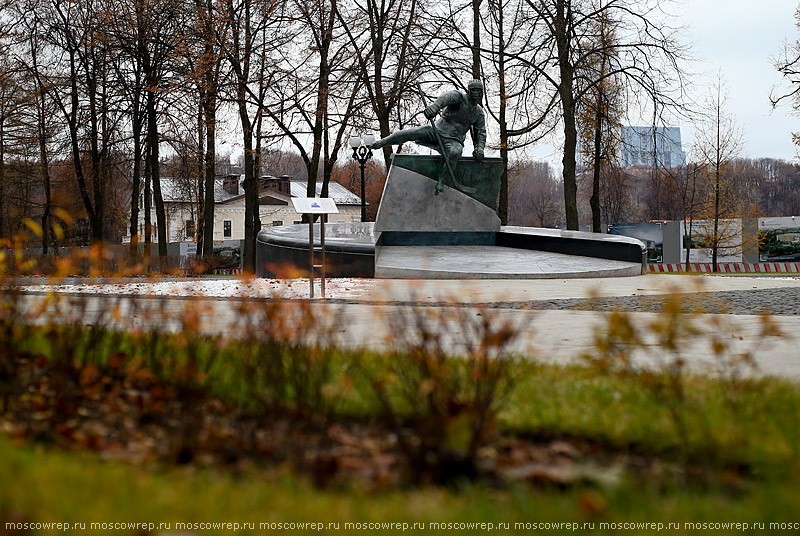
[
  {"x": 274, "y": 206},
  {"x": 637, "y": 147}
]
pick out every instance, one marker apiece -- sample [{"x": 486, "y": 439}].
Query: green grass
[
  {"x": 44, "y": 486},
  {"x": 738, "y": 461},
  {"x": 754, "y": 423}
]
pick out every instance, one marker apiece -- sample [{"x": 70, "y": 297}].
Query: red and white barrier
[{"x": 729, "y": 267}]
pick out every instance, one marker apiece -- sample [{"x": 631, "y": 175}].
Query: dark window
[
  {"x": 190, "y": 230},
  {"x": 226, "y": 228},
  {"x": 275, "y": 223}
]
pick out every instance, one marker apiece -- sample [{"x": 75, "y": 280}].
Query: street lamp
[{"x": 362, "y": 151}]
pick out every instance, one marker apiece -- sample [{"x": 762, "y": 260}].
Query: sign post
[{"x": 322, "y": 206}]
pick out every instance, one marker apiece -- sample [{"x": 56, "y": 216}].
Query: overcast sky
[
  {"x": 739, "y": 37},
  {"x": 736, "y": 38}
]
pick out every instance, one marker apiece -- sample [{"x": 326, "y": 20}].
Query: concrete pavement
[
  {"x": 488, "y": 290},
  {"x": 375, "y": 313}
]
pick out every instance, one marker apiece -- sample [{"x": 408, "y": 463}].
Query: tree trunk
[
  {"x": 594, "y": 201},
  {"x": 140, "y": 145},
  {"x": 102, "y": 175},
  {"x": 568, "y": 161},
  {"x": 47, "y": 202},
  {"x": 252, "y": 223},
  {"x": 240, "y": 63},
  {"x": 209, "y": 63},
  {"x": 148, "y": 207},
  {"x": 382, "y": 110},
  {"x": 476, "y": 39},
  {"x": 717, "y": 165},
  {"x": 318, "y": 129},
  {"x": 2, "y": 179},
  {"x": 94, "y": 139},
  {"x": 136, "y": 185},
  {"x": 690, "y": 210},
  {"x": 152, "y": 135},
  {"x": 502, "y": 208},
  {"x": 44, "y": 168},
  {"x": 72, "y": 123},
  {"x": 566, "y": 69},
  {"x": 201, "y": 195},
  {"x": 210, "y": 113},
  {"x": 716, "y": 240}
]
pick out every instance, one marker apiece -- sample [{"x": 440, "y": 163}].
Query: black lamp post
[{"x": 362, "y": 151}]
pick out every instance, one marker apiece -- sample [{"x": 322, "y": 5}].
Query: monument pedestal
[
  {"x": 453, "y": 235},
  {"x": 411, "y": 212},
  {"x": 411, "y": 215}
]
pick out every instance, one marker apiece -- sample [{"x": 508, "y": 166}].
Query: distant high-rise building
[{"x": 637, "y": 147}]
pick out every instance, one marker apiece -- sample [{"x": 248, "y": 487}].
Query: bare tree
[
  {"x": 75, "y": 33},
  {"x": 255, "y": 33},
  {"x": 43, "y": 109},
  {"x": 615, "y": 200},
  {"x": 65, "y": 53},
  {"x": 387, "y": 40},
  {"x": 646, "y": 54},
  {"x": 10, "y": 102},
  {"x": 145, "y": 36},
  {"x": 533, "y": 194},
  {"x": 315, "y": 89},
  {"x": 717, "y": 143},
  {"x": 686, "y": 179},
  {"x": 192, "y": 102},
  {"x": 23, "y": 186},
  {"x": 788, "y": 64},
  {"x": 520, "y": 118},
  {"x": 210, "y": 29},
  {"x": 7, "y": 107},
  {"x": 600, "y": 110},
  {"x": 128, "y": 35}
]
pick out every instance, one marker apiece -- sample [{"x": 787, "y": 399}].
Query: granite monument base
[{"x": 453, "y": 235}]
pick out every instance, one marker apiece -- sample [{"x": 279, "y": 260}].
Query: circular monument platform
[{"x": 356, "y": 250}]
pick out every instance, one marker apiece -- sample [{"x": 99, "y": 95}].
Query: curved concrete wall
[
  {"x": 350, "y": 248},
  {"x": 284, "y": 251}
]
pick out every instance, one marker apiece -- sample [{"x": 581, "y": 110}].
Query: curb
[{"x": 728, "y": 268}]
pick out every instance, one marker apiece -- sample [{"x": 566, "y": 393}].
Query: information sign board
[{"x": 314, "y": 205}]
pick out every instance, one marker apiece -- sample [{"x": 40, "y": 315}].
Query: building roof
[
  {"x": 337, "y": 192},
  {"x": 172, "y": 191}
]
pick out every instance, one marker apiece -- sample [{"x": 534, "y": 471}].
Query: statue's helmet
[{"x": 475, "y": 84}]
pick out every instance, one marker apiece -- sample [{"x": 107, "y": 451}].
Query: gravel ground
[
  {"x": 777, "y": 301},
  {"x": 783, "y": 301}
]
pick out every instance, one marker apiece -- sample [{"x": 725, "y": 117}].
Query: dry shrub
[
  {"x": 653, "y": 353},
  {"x": 286, "y": 356},
  {"x": 441, "y": 386},
  {"x": 101, "y": 259}
]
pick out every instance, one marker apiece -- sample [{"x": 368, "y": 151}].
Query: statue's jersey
[{"x": 459, "y": 116}]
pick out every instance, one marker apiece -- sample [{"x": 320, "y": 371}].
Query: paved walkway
[
  {"x": 493, "y": 262},
  {"x": 556, "y": 322},
  {"x": 498, "y": 291}
]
